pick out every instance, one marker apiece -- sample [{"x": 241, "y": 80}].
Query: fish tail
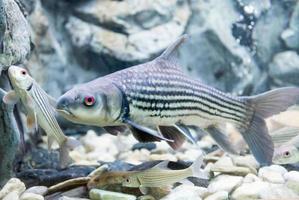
[
  {"x": 261, "y": 107},
  {"x": 64, "y": 150},
  {"x": 196, "y": 168}
]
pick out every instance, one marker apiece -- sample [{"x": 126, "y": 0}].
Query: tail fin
[
  {"x": 196, "y": 168},
  {"x": 266, "y": 105},
  {"x": 64, "y": 151}
]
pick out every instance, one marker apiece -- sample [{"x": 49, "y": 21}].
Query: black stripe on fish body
[
  {"x": 177, "y": 76},
  {"x": 149, "y": 100},
  {"x": 160, "y": 97},
  {"x": 143, "y": 87}
]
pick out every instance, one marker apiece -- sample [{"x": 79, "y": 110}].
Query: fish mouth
[{"x": 66, "y": 112}]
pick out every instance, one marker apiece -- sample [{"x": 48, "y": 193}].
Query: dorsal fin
[{"x": 170, "y": 53}]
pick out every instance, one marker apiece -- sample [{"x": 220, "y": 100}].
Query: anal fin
[
  {"x": 221, "y": 139},
  {"x": 174, "y": 134}
]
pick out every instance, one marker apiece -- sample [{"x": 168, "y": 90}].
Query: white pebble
[
  {"x": 220, "y": 195},
  {"x": 224, "y": 183}
]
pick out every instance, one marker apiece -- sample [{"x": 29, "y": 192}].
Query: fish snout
[{"x": 63, "y": 103}]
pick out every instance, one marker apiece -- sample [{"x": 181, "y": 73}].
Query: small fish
[
  {"x": 286, "y": 141},
  {"x": 39, "y": 108},
  {"x": 157, "y": 176},
  {"x": 157, "y": 101}
]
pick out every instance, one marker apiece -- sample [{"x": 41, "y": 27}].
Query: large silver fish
[
  {"x": 158, "y": 95},
  {"x": 39, "y": 108}
]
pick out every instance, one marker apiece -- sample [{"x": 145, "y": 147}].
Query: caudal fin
[
  {"x": 266, "y": 105},
  {"x": 64, "y": 151},
  {"x": 196, "y": 168}
]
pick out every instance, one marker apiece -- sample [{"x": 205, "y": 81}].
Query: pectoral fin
[
  {"x": 143, "y": 190},
  {"x": 221, "y": 139},
  {"x": 50, "y": 142},
  {"x": 32, "y": 121},
  {"x": 10, "y": 98},
  {"x": 144, "y": 134},
  {"x": 115, "y": 130}
]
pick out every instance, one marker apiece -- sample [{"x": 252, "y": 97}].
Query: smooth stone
[
  {"x": 13, "y": 184},
  {"x": 31, "y": 196},
  {"x": 41, "y": 190},
  {"x": 11, "y": 196},
  {"x": 146, "y": 197},
  {"x": 245, "y": 161},
  {"x": 220, "y": 195},
  {"x": 293, "y": 185},
  {"x": 76, "y": 192},
  {"x": 292, "y": 176},
  {"x": 224, "y": 183},
  {"x": 224, "y": 161},
  {"x": 186, "y": 192},
  {"x": 238, "y": 171},
  {"x": 249, "y": 178},
  {"x": 96, "y": 194},
  {"x": 262, "y": 190},
  {"x": 71, "y": 198},
  {"x": 272, "y": 174}
]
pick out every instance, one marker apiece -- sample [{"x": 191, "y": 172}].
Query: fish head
[
  {"x": 91, "y": 104},
  {"x": 286, "y": 154},
  {"x": 131, "y": 181},
  {"x": 19, "y": 77}
]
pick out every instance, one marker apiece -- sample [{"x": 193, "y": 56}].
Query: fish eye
[
  {"x": 23, "y": 72},
  {"x": 128, "y": 180},
  {"x": 286, "y": 154},
  {"x": 89, "y": 101}
]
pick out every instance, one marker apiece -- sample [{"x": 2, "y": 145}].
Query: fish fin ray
[
  {"x": 32, "y": 121},
  {"x": 196, "y": 168},
  {"x": 274, "y": 101},
  {"x": 284, "y": 135},
  {"x": 265, "y": 105},
  {"x": 259, "y": 141},
  {"x": 11, "y": 98},
  {"x": 186, "y": 132},
  {"x": 143, "y": 190},
  {"x": 64, "y": 150},
  {"x": 144, "y": 134},
  {"x": 170, "y": 54},
  {"x": 115, "y": 130},
  {"x": 174, "y": 134},
  {"x": 50, "y": 141},
  {"x": 221, "y": 139}
]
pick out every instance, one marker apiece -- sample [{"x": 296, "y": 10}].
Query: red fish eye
[
  {"x": 89, "y": 101},
  {"x": 23, "y": 72}
]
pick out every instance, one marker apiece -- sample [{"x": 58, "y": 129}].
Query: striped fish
[
  {"x": 157, "y": 101},
  {"x": 39, "y": 108},
  {"x": 157, "y": 176}
]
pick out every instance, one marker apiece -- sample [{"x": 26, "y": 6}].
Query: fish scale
[{"x": 168, "y": 93}]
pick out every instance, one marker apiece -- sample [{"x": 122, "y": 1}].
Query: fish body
[
  {"x": 286, "y": 141},
  {"x": 39, "y": 109},
  {"x": 157, "y": 176},
  {"x": 157, "y": 101}
]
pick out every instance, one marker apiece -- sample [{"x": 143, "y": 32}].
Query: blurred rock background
[{"x": 239, "y": 46}]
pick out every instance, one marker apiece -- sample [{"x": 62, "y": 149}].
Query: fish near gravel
[
  {"x": 157, "y": 176},
  {"x": 40, "y": 110},
  {"x": 157, "y": 101}
]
